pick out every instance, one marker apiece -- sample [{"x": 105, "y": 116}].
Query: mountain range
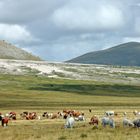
[{"x": 127, "y": 54}]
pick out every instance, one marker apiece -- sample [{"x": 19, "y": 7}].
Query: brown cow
[
  {"x": 31, "y": 116},
  {"x": 12, "y": 115},
  {"x": 56, "y": 115},
  {"x": 94, "y": 120},
  {"x": 4, "y": 121}
]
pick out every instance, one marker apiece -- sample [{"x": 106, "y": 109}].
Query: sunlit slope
[{"x": 9, "y": 51}]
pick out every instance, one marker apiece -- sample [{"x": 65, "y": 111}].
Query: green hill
[
  {"x": 9, "y": 51},
  {"x": 127, "y": 54}
]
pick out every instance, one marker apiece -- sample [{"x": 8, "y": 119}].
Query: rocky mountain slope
[{"x": 9, "y": 51}]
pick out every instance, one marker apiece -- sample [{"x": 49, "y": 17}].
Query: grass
[{"x": 34, "y": 93}]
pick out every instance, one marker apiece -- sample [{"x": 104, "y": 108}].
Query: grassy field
[{"x": 33, "y": 93}]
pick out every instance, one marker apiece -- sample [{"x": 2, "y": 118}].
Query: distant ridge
[
  {"x": 127, "y": 54},
  {"x": 9, "y": 51}
]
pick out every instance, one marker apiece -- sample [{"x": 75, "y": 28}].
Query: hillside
[
  {"x": 127, "y": 54},
  {"x": 9, "y": 51}
]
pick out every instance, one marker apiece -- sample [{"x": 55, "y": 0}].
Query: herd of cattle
[{"x": 71, "y": 116}]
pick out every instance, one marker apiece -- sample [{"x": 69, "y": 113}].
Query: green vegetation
[{"x": 27, "y": 91}]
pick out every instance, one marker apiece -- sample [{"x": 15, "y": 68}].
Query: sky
[{"x": 59, "y": 30}]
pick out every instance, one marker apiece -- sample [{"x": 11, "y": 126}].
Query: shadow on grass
[{"x": 89, "y": 89}]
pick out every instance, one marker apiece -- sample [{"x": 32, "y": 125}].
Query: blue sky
[{"x": 58, "y": 30}]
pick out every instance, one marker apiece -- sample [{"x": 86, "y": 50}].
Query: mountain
[
  {"x": 9, "y": 51},
  {"x": 127, "y": 54}
]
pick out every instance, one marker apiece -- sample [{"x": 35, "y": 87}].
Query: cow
[
  {"x": 52, "y": 115},
  {"x": 56, "y": 115},
  {"x": 94, "y": 121},
  {"x": 70, "y": 121},
  {"x": 80, "y": 118},
  {"x": 76, "y": 114},
  {"x": 108, "y": 121},
  {"x": 109, "y": 113},
  {"x": 31, "y": 116},
  {"x": 126, "y": 121},
  {"x": 12, "y": 115},
  {"x": 24, "y": 114},
  {"x": 136, "y": 123},
  {"x": 4, "y": 121}
]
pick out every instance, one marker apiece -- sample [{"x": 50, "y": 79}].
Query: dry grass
[
  {"x": 47, "y": 129},
  {"x": 30, "y": 93}
]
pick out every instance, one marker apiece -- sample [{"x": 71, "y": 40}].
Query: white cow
[
  {"x": 109, "y": 113},
  {"x": 108, "y": 121},
  {"x": 80, "y": 118},
  {"x": 126, "y": 121},
  {"x": 70, "y": 122}
]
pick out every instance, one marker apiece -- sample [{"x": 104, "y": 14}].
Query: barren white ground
[{"x": 111, "y": 74}]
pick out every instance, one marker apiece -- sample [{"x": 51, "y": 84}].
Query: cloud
[
  {"x": 68, "y": 27},
  {"x": 131, "y": 39},
  {"x": 88, "y": 15},
  {"x": 17, "y": 11},
  {"x": 15, "y": 33}
]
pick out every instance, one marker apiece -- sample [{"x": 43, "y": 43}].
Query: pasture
[{"x": 37, "y": 93}]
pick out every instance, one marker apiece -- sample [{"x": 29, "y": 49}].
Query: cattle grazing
[
  {"x": 108, "y": 121},
  {"x": 80, "y": 118},
  {"x": 51, "y": 115},
  {"x": 126, "y": 121},
  {"x": 4, "y": 121},
  {"x": 109, "y": 113},
  {"x": 70, "y": 121},
  {"x": 31, "y": 116},
  {"x": 44, "y": 114},
  {"x": 136, "y": 123},
  {"x": 23, "y": 115},
  {"x": 12, "y": 115},
  {"x": 94, "y": 121},
  {"x": 56, "y": 115}
]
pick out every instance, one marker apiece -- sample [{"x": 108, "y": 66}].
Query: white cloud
[
  {"x": 131, "y": 39},
  {"x": 15, "y": 33},
  {"x": 83, "y": 15}
]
